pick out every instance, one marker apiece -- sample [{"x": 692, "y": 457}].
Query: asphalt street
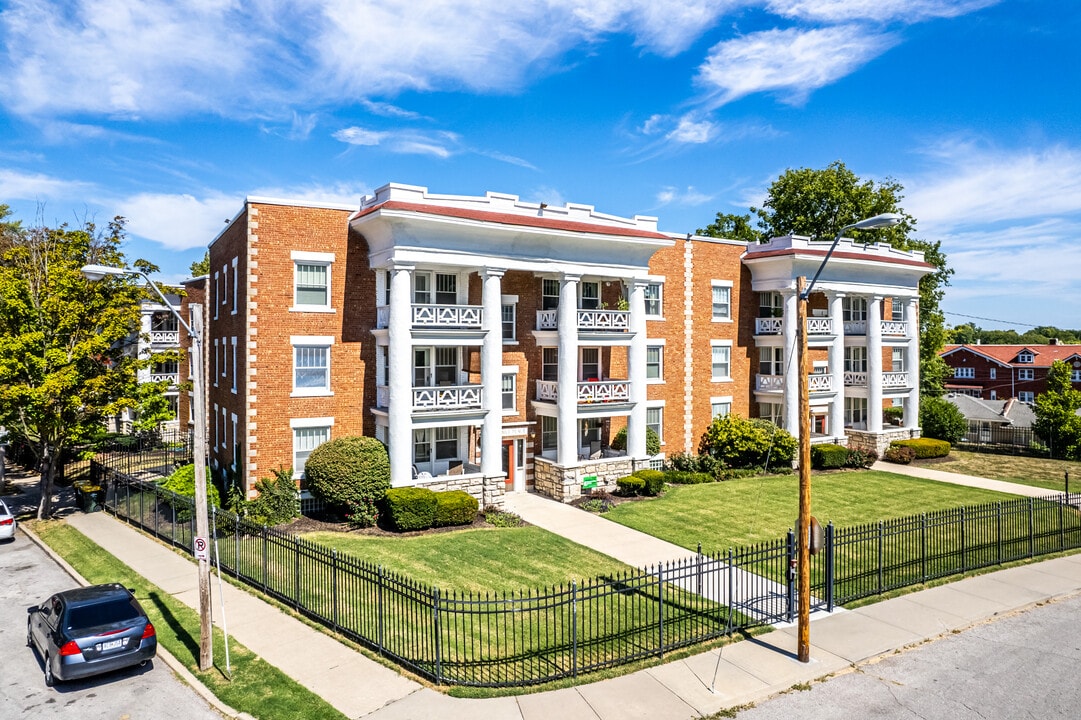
[
  {"x": 149, "y": 693},
  {"x": 1024, "y": 665}
]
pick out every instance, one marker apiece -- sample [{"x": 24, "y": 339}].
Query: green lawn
[
  {"x": 1037, "y": 472},
  {"x": 751, "y": 510},
  {"x": 498, "y": 559}
]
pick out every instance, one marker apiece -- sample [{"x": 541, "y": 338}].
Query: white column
[
  {"x": 567, "y": 324},
  {"x": 400, "y": 382},
  {"x": 874, "y": 364},
  {"x": 791, "y": 364},
  {"x": 491, "y": 373},
  {"x": 912, "y": 363},
  {"x": 837, "y": 365},
  {"x": 636, "y": 366}
]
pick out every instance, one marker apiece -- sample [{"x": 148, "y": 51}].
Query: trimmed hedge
[
  {"x": 348, "y": 471},
  {"x": 828, "y": 456},
  {"x": 630, "y": 485},
  {"x": 411, "y": 508},
  {"x": 925, "y": 448},
  {"x": 899, "y": 454},
  {"x": 684, "y": 477},
  {"x": 455, "y": 507},
  {"x": 653, "y": 481}
]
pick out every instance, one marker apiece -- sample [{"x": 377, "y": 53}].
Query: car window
[{"x": 104, "y": 613}]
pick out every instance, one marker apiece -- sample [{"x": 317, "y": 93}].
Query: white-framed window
[
  {"x": 311, "y": 281},
  {"x": 224, "y": 428},
  {"x": 509, "y": 390},
  {"x": 591, "y": 363},
  {"x": 897, "y": 309},
  {"x": 655, "y": 363},
  {"x": 234, "y": 363},
  {"x": 853, "y": 309},
  {"x": 217, "y": 294},
  {"x": 722, "y": 300},
  {"x": 430, "y": 444},
  {"x": 235, "y": 284},
  {"x": 225, "y": 282},
  {"x": 771, "y": 360},
  {"x": 964, "y": 372},
  {"x": 549, "y": 294},
  {"x": 236, "y": 443},
  {"x": 224, "y": 358},
  {"x": 655, "y": 420},
  {"x": 721, "y": 406},
  {"x": 721, "y": 360},
  {"x": 311, "y": 364},
  {"x": 446, "y": 289},
  {"x": 993, "y": 373},
  {"x": 856, "y": 412},
  {"x": 770, "y": 304},
  {"x": 216, "y": 431},
  {"x": 308, "y": 434},
  {"x": 1026, "y": 396},
  {"x": 1025, "y": 357},
  {"x": 994, "y": 395},
  {"x": 550, "y": 364},
  {"x": 446, "y": 443},
  {"x": 590, "y": 295},
  {"x": 508, "y": 316},
  {"x": 654, "y": 296},
  {"x": 898, "y": 360},
  {"x": 549, "y": 433},
  {"x": 856, "y": 358},
  {"x": 1075, "y": 376},
  {"x": 217, "y": 363},
  {"x": 1026, "y": 374},
  {"x": 774, "y": 412}
]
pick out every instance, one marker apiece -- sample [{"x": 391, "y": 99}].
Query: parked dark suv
[{"x": 90, "y": 630}]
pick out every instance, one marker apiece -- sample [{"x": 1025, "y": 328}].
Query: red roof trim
[
  {"x": 511, "y": 219},
  {"x": 845, "y": 255}
]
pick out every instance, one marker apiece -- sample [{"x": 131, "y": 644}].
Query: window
[
  {"x": 422, "y": 289},
  {"x": 446, "y": 366},
  {"x": 720, "y": 406},
  {"x": 855, "y": 412},
  {"x": 1026, "y": 374},
  {"x": 224, "y": 428},
  {"x": 772, "y": 412},
  {"x": 722, "y": 362},
  {"x": 509, "y": 390},
  {"x": 550, "y": 364},
  {"x": 1026, "y": 396},
  {"x": 771, "y": 361},
  {"x": 1025, "y": 357},
  {"x": 446, "y": 289},
  {"x": 225, "y": 280},
  {"x": 549, "y": 294},
  {"x": 898, "y": 360},
  {"x": 311, "y": 281},
  {"x": 770, "y": 304},
  {"x": 311, "y": 369},
  {"x": 654, "y": 367},
  {"x": 993, "y": 373},
  {"x": 217, "y": 364},
  {"x": 217, "y": 294},
  {"x": 236, "y": 444},
  {"x": 508, "y": 316},
  {"x": 422, "y": 446},
  {"x": 897, "y": 309},
  {"x": 964, "y": 372},
  {"x": 1075, "y": 376},
  {"x": 654, "y": 306},
  {"x": 856, "y": 359},
  {"x": 224, "y": 358},
  {"x": 549, "y": 432},
  {"x": 591, "y": 295},
  {"x": 234, "y": 364},
  {"x": 235, "y": 283},
  {"x": 655, "y": 420},
  {"x": 994, "y": 395},
  {"x": 305, "y": 439},
  {"x": 853, "y": 309},
  {"x": 446, "y": 443},
  {"x": 722, "y": 300},
  {"x": 591, "y": 364}
]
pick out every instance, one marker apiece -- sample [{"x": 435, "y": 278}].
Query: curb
[{"x": 167, "y": 657}]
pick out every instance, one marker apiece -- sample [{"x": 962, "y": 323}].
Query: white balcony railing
[
  {"x": 819, "y": 326},
  {"x": 817, "y": 383},
  {"x": 447, "y": 316},
  {"x": 171, "y": 378},
  {"x": 855, "y": 378},
  {"x": 165, "y": 337},
  {"x": 599, "y": 391},
  {"x": 855, "y": 327},
  {"x": 768, "y": 326},
  {"x": 893, "y": 380},
  {"x": 547, "y": 390},
  {"x": 895, "y": 328},
  {"x": 614, "y": 320},
  {"x": 447, "y": 397},
  {"x": 769, "y": 383}
]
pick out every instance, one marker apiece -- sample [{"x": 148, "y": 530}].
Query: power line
[{"x": 994, "y": 320}]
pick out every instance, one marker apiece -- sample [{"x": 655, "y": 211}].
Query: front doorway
[{"x": 514, "y": 464}]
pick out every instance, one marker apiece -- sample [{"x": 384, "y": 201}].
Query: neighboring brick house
[
  {"x": 451, "y": 327},
  {"x": 1001, "y": 372},
  {"x": 158, "y": 332}
]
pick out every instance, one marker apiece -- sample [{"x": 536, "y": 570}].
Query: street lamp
[
  {"x": 94, "y": 273},
  {"x": 803, "y": 526}
]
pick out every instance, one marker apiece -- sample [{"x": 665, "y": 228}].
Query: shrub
[
  {"x": 411, "y": 508},
  {"x": 455, "y": 507},
  {"x": 597, "y": 505},
  {"x": 745, "y": 443},
  {"x": 941, "y": 419},
  {"x": 630, "y": 485},
  {"x": 348, "y": 472},
  {"x": 653, "y": 481},
  {"x": 925, "y": 448},
  {"x": 685, "y": 462},
  {"x": 363, "y": 514},
  {"x": 278, "y": 500},
  {"x": 828, "y": 456},
  {"x": 861, "y": 458},
  {"x": 501, "y": 518},
  {"x": 653, "y": 443},
  {"x": 899, "y": 454},
  {"x": 893, "y": 414},
  {"x": 182, "y": 482},
  {"x": 683, "y": 477}
]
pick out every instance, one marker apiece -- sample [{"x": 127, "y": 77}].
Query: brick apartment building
[
  {"x": 1002, "y": 372},
  {"x": 496, "y": 345}
]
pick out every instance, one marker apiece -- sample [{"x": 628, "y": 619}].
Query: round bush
[
  {"x": 653, "y": 481},
  {"x": 349, "y": 471},
  {"x": 455, "y": 507},
  {"x": 411, "y": 508},
  {"x": 745, "y": 443},
  {"x": 941, "y": 419}
]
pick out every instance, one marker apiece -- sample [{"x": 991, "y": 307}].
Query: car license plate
[{"x": 111, "y": 645}]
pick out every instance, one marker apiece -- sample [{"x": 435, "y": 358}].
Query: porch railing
[
  {"x": 165, "y": 337},
  {"x": 592, "y": 320},
  {"x": 447, "y": 397},
  {"x": 601, "y": 391}
]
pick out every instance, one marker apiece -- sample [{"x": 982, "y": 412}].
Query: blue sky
[{"x": 171, "y": 113}]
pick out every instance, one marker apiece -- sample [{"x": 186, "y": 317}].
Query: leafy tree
[
  {"x": 63, "y": 366},
  {"x": 942, "y": 420},
  {"x": 746, "y": 443},
  {"x": 201, "y": 267},
  {"x": 732, "y": 227},
  {"x": 1057, "y": 422},
  {"x": 818, "y": 203}
]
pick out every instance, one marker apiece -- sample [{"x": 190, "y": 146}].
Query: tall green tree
[
  {"x": 1057, "y": 422},
  {"x": 201, "y": 267},
  {"x": 63, "y": 362},
  {"x": 818, "y": 203},
  {"x": 732, "y": 227}
]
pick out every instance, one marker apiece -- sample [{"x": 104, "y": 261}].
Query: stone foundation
[
  {"x": 489, "y": 492},
  {"x": 878, "y": 442},
  {"x": 565, "y": 483}
]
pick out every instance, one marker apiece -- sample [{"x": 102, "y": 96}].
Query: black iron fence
[{"x": 543, "y": 634}]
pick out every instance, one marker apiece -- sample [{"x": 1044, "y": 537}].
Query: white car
[{"x": 7, "y": 522}]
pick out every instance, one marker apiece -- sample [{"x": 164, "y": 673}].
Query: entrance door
[{"x": 514, "y": 464}]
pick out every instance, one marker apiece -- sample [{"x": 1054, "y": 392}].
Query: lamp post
[
  {"x": 95, "y": 273},
  {"x": 803, "y": 526}
]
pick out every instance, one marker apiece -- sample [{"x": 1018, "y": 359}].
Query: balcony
[
  {"x": 855, "y": 379},
  {"x": 165, "y": 337},
  {"x": 894, "y": 328},
  {"x": 819, "y": 383},
  {"x": 593, "y": 391},
  {"x": 769, "y": 383},
  {"x": 172, "y": 378},
  {"x": 855, "y": 327},
  {"x": 448, "y": 317},
  {"x": 895, "y": 380},
  {"x": 775, "y": 326},
  {"x": 819, "y": 326},
  {"x": 588, "y": 320},
  {"x": 446, "y": 397}
]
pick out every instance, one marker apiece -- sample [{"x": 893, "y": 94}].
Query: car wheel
[{"x": 49, "y": 679}]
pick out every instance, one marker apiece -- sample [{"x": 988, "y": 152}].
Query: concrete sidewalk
[{"x": 929, "y": 473}]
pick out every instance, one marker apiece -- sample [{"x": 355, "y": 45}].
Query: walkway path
[{"x": 929, "y": 473}]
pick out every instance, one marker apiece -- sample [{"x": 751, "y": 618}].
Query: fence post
[
  {"x": 1031, "y": 527},
  {"x": 698, "y": 574},
  {"x": 731, "y": 591},
  {"x": 964, "y": 558},
  {"x": 790, "y": 585},
  {"x": 881, "y": 558},
  {"x": 660, "y": 609},
  {"x": 296, "y": 572},
  {"x": 1061, "y": 524},
  {"x": 438, "y": 645},
  {"x": 998, "y": 531},
  {"x": 334, "y": 587},
  {"x": 574, "y": 628},
  {"x": 379, "y": 607},
  {"x": 266, "y": 548},
  {"x": 830, "y": 568}
]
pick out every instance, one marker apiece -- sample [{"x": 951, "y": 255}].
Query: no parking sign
[{"x": 200, "y": 546}]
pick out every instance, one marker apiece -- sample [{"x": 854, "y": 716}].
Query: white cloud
[
  {"x": 791, "y": 62},
  {"x": 440, "y": 143},
  {"x": 909, "y": 11},
  {"x": 690, "y": 196},
  {"x": 692, "y": 131},
  {"x": 360, "y": 136},
  {"x": 545, "y": 194},
  {"x": 342, "y": 193},
  {"x": 178, "y": 221},
  {"x": 38, "y": 187}
]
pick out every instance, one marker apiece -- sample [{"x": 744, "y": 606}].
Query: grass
[
  {"x": 256, "y": 687},
  {"x": 752, "y": 510},
  {"x": 1037, "y": 472}
]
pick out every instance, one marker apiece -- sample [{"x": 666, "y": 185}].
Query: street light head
[
  {"x": 878, "y": 221},
  {"x": 94, "y": 273}
]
